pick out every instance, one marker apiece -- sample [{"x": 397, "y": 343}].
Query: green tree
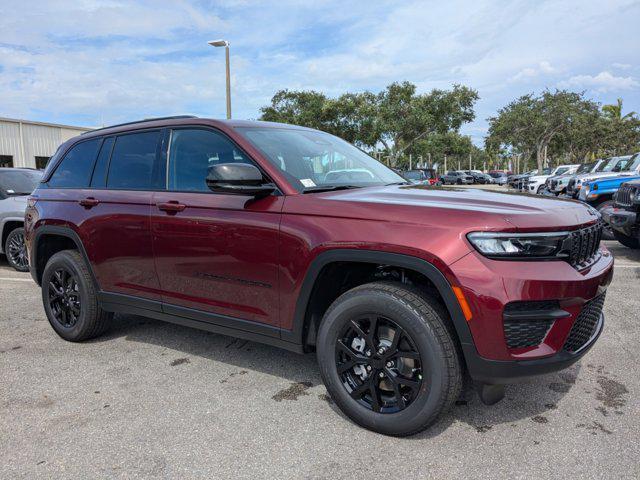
[
  {"x": 614, "y": 112},
  {"x": 395, "y": 118},
  {"x": 532, "y": 125}
]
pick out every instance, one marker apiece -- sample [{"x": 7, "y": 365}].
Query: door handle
[
  {"x": 171, "y": 207},
  {"x": 89, "y": 202}
]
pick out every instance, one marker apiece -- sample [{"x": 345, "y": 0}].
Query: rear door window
[
  {"x": 134, "y": 162},
  {"x": 76, "y": 166},
  {"x": 99, "y": 178}
]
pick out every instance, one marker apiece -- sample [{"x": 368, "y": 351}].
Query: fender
[
  {"x": 61, "y": 231},
  {"x": 385, "y": 258}
]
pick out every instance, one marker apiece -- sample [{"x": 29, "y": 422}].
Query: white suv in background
[{"x": 535, "y": 183}]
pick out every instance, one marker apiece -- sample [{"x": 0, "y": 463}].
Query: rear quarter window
[{"x": 75, "y": 168}]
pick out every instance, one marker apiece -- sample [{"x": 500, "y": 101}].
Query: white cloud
[
  {"x": 621, "y": 66},
  {"x": 78, "y": 61},
  {"x": 602, "y": 82}
]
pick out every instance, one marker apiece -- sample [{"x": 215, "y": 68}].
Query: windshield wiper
[{"x": 329, "y": 188}]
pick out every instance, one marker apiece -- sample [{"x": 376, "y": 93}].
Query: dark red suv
[{"x": 295, "y": 238}]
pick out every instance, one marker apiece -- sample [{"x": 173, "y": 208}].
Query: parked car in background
[
  {"x": 557, "y": 185},
  {"x": 535, "y": 183},
  {"x": 454, "y": 177},
  {"x": 399, "y": 290},
  {"x": 422, "y": 175},
  {"x": 15, "y": 185},
  {"x": 599, "y": 194},
  {"x": 611, "y": 167},
  {"x": 478, "y": 177},
  {"x": 416, "y": 177},
  {"x": 499, "y": 178},
  {"x": 623, "y": 217},
  {"x": 516, "y": 180}
]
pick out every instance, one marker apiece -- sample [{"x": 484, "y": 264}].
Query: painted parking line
[{"x": 10, "y": 279}]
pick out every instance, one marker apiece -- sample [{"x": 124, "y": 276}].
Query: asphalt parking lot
[{"x": 155, "y": 400}]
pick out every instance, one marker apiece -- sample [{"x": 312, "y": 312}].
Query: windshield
[
  {"x": 634, "y": 163},
  {"x": 616, "y": 164},
  {"x": 545, "y": 171},
  {"x": 414, "y": 175},
  {"x": 586, "y": 167},
  {"x": 311, "y": 159},
  {"x": 19, "y": 182},
  {"x": 562, "y": 170},
  {"x": 497, "y": 174}
]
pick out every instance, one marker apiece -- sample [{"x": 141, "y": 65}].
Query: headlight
[{"x": 519, "y": 245}]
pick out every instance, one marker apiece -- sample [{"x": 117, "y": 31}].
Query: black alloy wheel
[
  {"x": 378, "y": 364},
  {"x": 64, "y": 297},
  {"x": 16, "y": 250}
]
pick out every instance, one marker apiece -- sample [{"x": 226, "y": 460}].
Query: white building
[{"x": 24, "y": 143}]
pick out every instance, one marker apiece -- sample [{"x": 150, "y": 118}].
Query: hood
[
  {"x": 538, "y": 178},
  {"x": 17, "y": 204},
  {"x": 596, "y": 176},
  {"x": 465, "y": 209}
]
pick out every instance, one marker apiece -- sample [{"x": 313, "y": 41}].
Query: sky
[{"x": 94, "y": 62}]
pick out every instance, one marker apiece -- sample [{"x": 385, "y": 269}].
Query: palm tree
[{"x": 614, "y": 112}]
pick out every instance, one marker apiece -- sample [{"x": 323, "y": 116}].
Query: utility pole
[
  {"x": 469, "y": 162},
  {"x": 410, "y": 162},
  {"x": 445, "y": 164},
  {"x": 225, "y": 44}
]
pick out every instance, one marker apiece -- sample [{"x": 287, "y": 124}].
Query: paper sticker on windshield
[{"x": 307, "y": 182}]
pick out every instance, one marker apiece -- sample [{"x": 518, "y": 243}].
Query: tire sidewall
[
  {"x": 64, "y": 260},
  {"x": 433, "y": 390},
  {"x": 6, "y": 249}
]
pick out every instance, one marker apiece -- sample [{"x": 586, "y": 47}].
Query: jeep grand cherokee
[{"x": 293, "y": 237}]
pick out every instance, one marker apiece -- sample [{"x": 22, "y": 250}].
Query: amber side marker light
[{"x": 463, "y": 303}]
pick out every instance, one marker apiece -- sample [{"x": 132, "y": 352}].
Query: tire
[
  {"x": 84, "y": 319},
  {"x": 15, "y": 250},
  {"x": 607, "y": 231},
  {"x": 422, "y": 320},
  {"x": 625, "y": 240},
  {"x": 459, "y": 182}
]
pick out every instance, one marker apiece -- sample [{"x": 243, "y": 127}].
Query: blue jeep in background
[{"x": 599, "y": 194}]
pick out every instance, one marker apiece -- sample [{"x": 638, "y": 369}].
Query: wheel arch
[
  {"x": 302, "y": 318},
  {"x": 50, "y": 239},
  {"x": 7, "y": 225}
]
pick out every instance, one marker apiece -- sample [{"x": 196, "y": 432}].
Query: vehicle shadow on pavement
[{"x": 531, "y": 400}]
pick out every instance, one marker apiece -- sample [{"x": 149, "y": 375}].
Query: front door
[{"x": 216, "y": 254}]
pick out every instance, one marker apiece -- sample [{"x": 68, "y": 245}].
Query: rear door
[
  {"x": 118, "y": 202},
  {"x": 216, "y": 254}
]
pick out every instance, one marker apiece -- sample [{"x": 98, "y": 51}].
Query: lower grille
[
  {"x": 526, "y": 323},
  {"x": 585, "y": 324}
]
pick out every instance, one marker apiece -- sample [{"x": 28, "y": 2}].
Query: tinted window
[
  {"x": 193, "y": 152},
  {"x": 99, "y": 178},
  {"x": 133, "y": 163},
  {"x": 76, "y": 166},
  {"x": 19, "y": 182}
]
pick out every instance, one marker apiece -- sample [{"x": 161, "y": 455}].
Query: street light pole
[{"x": 225, "y": 44}]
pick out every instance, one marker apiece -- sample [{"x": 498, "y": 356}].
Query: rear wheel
[
  {"x": 625, "y": 240},
  {"x": 16, "y": 251},
  {"x": 387, "y": 359},
  {"x": 69, "y": 298}
]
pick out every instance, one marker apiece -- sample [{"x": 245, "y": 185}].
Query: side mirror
[{"x": 239, "y": 179}]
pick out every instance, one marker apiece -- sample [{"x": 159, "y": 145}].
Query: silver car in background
[{"x": 16, "y": 184}]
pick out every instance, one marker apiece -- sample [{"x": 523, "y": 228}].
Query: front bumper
[
  {"x": 498, "y": 372},
  {"x": 624, "y": 221},
  {"x": 490, "y": 285}
]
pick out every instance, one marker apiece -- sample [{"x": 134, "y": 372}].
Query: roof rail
[{"x": 173, "y": 117}]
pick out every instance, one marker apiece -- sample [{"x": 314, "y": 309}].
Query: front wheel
[
  {"x": 607, "y": 231},
  {"x": 387, "y": 358},
  {"x": 16, "y": 251},
  {"x": 625, "y": 240}
]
